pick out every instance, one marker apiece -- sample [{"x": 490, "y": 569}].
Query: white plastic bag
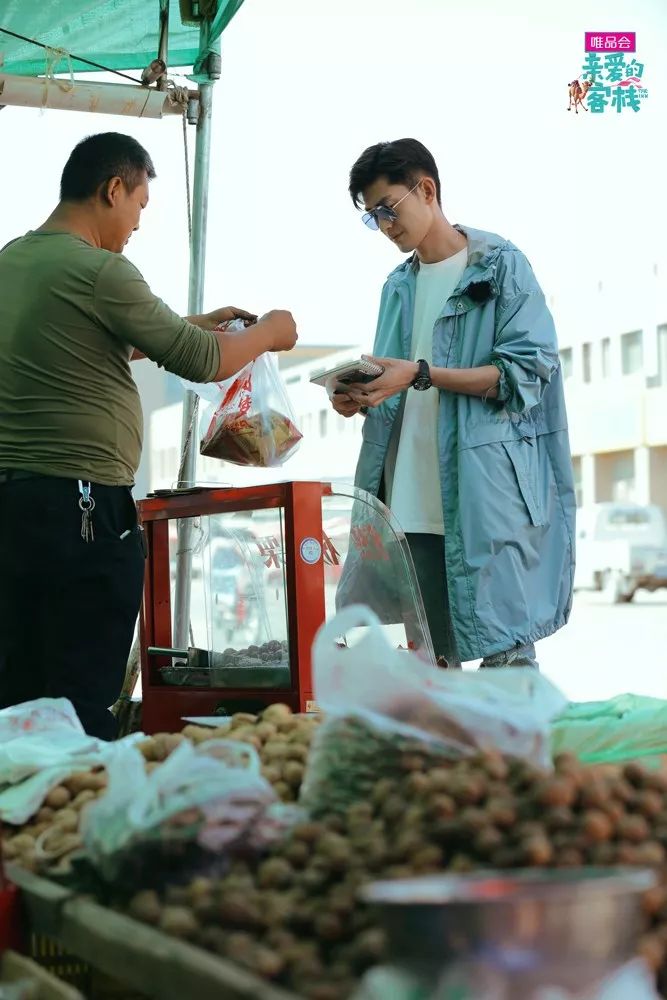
[
  {"x": 42, "y": 742},
  {"x": 34, "y": 752},
  {"x": 38, "y": 716},
  {"x": 136, "y": 803},
  {"x": 508, "y": 710},
  {"x": 385, "y": 705}
]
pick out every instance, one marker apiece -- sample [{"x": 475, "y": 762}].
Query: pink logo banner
[{"x": 611, "y": 41}]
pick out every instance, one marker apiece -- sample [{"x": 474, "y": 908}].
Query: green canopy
[{"x": 119, "y": 34}]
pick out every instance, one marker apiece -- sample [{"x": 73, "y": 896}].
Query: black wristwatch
[{"x": 422, "y": 379}]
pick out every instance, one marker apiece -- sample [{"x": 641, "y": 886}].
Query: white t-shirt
[{"x": 412, "y": 468}]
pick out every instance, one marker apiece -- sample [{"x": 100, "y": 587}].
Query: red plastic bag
[{"x": 254, "y": 423}]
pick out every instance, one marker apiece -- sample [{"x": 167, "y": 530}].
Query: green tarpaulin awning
[{"x": 120, "y": 34}]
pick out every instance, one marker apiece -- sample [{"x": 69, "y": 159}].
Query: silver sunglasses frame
[{"x": 370, "y": 218}]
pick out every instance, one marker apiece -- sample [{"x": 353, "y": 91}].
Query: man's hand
[
  {"x": 209, "y": 321},
  {"x": 281, "y": 328},
  {"x": 344, "y": 404},
  {"x": 397, "y": 377},
  {"x": 276, "y": 331}
]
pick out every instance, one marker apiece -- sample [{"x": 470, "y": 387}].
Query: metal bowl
[{"x": 565, "y": 928}]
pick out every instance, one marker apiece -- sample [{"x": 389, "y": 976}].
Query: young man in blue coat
[{"x": 465, "y": 435}]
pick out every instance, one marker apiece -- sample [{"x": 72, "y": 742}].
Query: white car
[{"x": 621, "y": 548}]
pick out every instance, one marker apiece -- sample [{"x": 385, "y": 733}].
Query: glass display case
[
  {"x": 266, "y": 566},
  {"x": 238, "y": 601}
]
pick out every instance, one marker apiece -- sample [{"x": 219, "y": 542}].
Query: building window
[
  {"x": 578, "y": 484},
  {"x": 566, "y": 362},
  {"x": 587, "y": 359},
  {"x": 632, "y": 355},
  {"x": 615, "y": 477},
  {"x": 660, "y": 377},
  {"x": 623, "y": 478},
  {"x": 662, "y": 355},
  {"x": 606, "y": 357},
  {"x": 324, "y": 415}
]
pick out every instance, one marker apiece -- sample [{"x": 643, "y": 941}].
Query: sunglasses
[{"x": 386, "y": 212}]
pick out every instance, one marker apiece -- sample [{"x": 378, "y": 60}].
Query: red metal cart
[{"x": 301, "y": 551}]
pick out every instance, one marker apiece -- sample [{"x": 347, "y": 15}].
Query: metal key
[{"x": 87, "y": 506}]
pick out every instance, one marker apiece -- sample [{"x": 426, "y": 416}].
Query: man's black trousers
[{"x": 68, "y": 607}]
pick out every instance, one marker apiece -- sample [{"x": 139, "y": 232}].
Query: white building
[
  {"x": 157, "y": 389},
  {"x": 613, "y": 348}
]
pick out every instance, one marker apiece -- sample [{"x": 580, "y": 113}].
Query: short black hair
[
  {"x": 402, "y": 161},
  {"x": 99, "y": 158}
]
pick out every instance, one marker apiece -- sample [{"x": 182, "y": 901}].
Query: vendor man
[{"x": 73, "y": 313}]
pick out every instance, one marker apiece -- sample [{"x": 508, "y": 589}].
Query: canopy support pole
[
  {"x": 163, "y": 49},
  {"x": 189, "y": 435}
]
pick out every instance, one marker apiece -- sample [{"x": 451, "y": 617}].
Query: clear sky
[{"x": 304, "y": 91}]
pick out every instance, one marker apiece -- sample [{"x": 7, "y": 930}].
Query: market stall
[
  {"x": 407, "y": 835},
  {"x": 286, "y": 854}
]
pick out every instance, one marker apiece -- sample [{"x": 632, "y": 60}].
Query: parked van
[{"x": 621, "y": 548}]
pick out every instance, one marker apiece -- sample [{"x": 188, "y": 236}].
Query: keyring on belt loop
[{"x": 86, "y": 500}]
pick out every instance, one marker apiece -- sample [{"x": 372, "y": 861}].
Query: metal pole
[
  {"x": 163, "y": 49},
  {"x": 189, "y": 436},
  {"x": 197, "y": 264}
]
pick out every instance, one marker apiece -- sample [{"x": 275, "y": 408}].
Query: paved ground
[{"x": 610, "y": 649}]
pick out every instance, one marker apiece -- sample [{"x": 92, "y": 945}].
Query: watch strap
[{"x": 423, "y": 371}]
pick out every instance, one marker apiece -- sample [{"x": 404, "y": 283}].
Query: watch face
[{"x": 421, "y": 383}]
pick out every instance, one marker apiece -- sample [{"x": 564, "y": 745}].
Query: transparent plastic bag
[
  {"x": 509, "y": 710},
  {"x": 201, "y": 800},
  {"x": 384, "y": 704},
  {"x": 249, "y": 420},
  {"x": 254, "y": 424}
]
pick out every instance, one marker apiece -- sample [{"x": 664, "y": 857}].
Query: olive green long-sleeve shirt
[{"x": 70, "y": 316}]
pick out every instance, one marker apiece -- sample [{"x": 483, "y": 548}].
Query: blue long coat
[{"x": 505, "y": 466}]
